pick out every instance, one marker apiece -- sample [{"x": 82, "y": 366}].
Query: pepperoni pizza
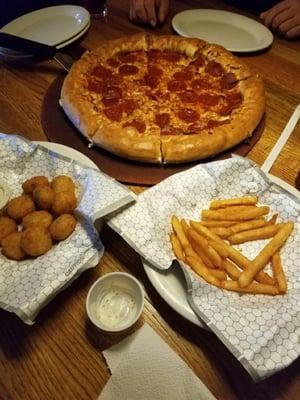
[{"x": 163, "y": 99}]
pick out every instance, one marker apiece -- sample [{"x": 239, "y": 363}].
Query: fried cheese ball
[
  {"x": 62, "y": 183},
  {"x": 43, "y": 197},
  {"x": 40, "y": 218},
  {"x": 64, "y": 203},
  {"x": 62, "y": 227},
  {"x": 36, "y": 241},
  {"x": 32, "y": 183},
  {"x": 7, "y": 226},
  {"x": 11, "y": 246},
  {"x": 20, "y": 206}
]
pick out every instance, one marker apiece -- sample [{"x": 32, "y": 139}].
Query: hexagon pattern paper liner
[
  {"x": 26, "y": 286},
  {"x": 263, "y": 332}
]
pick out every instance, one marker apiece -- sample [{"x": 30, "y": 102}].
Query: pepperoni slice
[
  {"x": 151, "y": 80},
  {"x": 214, "y": 68},
  {"x": 233, "y": 100},
  {"x": 200, "y": 84},
  {"x": 188, "y": 115},
  {"x": 129, "y": 57},
  {"x": 169, "y": 130},
  {"x": 113, "y": 62},
  {"x": 154, "y": 55},
  {"x": 171, "y": 56},
  {"x": 113, "y": 113},
  {"x": 138, "y": 124},
  {"x": 199, "y": 61},
  {"x": 228, "y": 81},
  {"x": 162, "y": 119},
  {"x": 95, "y": 86},
  {"x": 111, "y": 95},
  {"x": 155, "y": 71},
  {"x": 189, "y": 96},
  {"x": 176, "y": 86},
  {"x": 209, "y": 99},
  {"x": 183, "y": 75},
  {"x": 128, "y": 69},
  {"x": 101, "y": 72},
  {"x": 128, "y": 106},
  {"x": 113, "y": 80}
]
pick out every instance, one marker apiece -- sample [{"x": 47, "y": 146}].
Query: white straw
[{"x": 267, "y": 165}]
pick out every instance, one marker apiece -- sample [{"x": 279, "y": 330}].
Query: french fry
[
  {"x": 247, "y": 200},
  {"x": 247, "y": 225},
  {"x": 176, "y": 246},
  {"x": 219, "y": 248},
  {"x": 202, "y": 270},
  {"x": 265, "y": 254},
  {"x": 219, "y": 274},
  {"x": 206, "y": 261},
  {"x": 264, "y": 232},
  {"x": 278, "y": 272},
  {"x": 177, "y": 228},
  {"x": 234, "y": 255},
  {"x": 231, "y": 269},
  {"x": 239, "y": 213},
  {"x": 208, "y": 250},
  {"x": 214, "y": 223},
  {"x": 272, "y": 220},
  {"x": 252, "y": 288},
  {"x": 223, "y": 233},
  {"x": 185, "y": 226}
]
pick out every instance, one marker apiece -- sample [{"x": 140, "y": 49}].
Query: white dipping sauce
[{"x": 115, "y": 307}]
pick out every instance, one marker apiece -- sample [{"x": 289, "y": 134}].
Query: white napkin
[{"x": 144, "y": 367}]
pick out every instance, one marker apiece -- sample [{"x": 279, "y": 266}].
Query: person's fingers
[
  {"x": 150, "y": 11},
  {"x": 280, "y": 18},
  {"x": 138, "y": 11},
  {"x": 270, "y": 14},
  {"x": 163, "y": 9},
  {"x": 290, "y": 27}
]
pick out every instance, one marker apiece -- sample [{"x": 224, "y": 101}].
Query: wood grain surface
[{"x": 59, "y": 357}]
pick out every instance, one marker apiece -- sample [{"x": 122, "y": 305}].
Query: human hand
[
  {"x": 284, "y": 18},
  {"x": 148, "y": 11}
]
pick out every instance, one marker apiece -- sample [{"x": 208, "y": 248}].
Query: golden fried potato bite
[
  {"x": 20, "y": 206},
  {"x": 11, "y": 246},
  {"x": 43, "y": 197},
  {"x": 36, "y": 241},
  {"x": 7, "y": 226},
  {"x": 62, "y": 183},
  {"x": 40, "y": 218},
  {"x": 32, "y": 183},
  {"x": 64, "y": 203},
  {"x": 62, "y": 227}
]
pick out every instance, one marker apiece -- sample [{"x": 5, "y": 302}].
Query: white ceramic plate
[
  {"x": 233, "y": 31},
  {"x": 69, "y": 152},
  {"x": 171, "y": 286},
  {"x": 51, "y": 25}
]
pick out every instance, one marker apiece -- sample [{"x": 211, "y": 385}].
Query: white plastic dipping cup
[
  {"x": 115, "y": 302},
  {"x": 4, "y": 194}
]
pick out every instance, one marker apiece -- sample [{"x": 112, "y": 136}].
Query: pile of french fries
[{"x": 206, "y": 246}]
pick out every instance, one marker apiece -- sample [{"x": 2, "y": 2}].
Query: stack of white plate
[{"x": 56, "y": 26}]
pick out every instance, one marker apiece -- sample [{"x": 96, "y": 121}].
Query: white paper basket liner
[
  {"x": 263, "y": 332},
  {"x": 27, "y": 286}
]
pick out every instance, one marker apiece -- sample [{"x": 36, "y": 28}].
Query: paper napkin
[{"x": 144, "y": 367}]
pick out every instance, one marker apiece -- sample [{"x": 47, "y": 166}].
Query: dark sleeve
[{"x": 253, "y": 6}]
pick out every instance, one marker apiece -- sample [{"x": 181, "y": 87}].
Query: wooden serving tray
[{"x": 59, "y": 129}]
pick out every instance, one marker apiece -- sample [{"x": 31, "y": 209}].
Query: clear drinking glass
[{"x": 97, "y": 8}]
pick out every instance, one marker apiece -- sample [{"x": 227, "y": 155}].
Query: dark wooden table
[{"x": 60, "y": 356}]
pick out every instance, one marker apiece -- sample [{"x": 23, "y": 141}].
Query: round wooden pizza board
[{"x": 59, "y": 129}]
